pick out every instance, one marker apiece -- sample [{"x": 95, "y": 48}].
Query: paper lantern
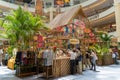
[{"x": 87, "y": 30}]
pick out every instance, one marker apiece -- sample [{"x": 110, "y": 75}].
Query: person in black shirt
[{"x": 87, "y": 55}]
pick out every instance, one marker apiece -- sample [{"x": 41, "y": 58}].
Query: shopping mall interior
[{"x": 59, "y": 39}]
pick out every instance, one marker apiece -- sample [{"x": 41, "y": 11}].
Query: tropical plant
[
  {"x": 105, "y": 37},
  {"x": 20, "y": 27},
  {"x": 10, "y": 50},
  {"x": 100, "y": 50}
]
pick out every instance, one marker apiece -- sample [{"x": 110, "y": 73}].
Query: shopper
[
  {"x": 93, "y": 60},
  {"x": 79, "y": 58},
  {"x": 6, "y": 58},
  {"x": 48, "y": 57},
  {"x": 1, "y": 52},
  {"x": 72, "y": 61},
  {"x": 115, "y": 56},
  {"x": 48, "y": 60},
  {"x": 87, "y": 63}
]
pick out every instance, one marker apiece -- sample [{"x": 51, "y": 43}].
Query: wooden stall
[{"x": 61, "y": 65}]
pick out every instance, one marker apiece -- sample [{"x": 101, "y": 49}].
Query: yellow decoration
[{"x": 74, "y": 41}]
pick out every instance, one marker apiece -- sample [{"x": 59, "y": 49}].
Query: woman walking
[{"x": 93, "y": 60}]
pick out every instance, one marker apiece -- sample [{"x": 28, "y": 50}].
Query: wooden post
[{"x": 39, "y": 7}]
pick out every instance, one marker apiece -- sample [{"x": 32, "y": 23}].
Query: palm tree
[{"x": 21, "y": 25}]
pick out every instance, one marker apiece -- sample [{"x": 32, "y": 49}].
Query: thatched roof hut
[{"x": 66, "y": 17}]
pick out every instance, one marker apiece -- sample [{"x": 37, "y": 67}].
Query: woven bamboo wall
[{"x": 61, "y": 67}]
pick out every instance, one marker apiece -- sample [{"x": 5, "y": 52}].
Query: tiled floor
[{"x": 111, "y": 72}]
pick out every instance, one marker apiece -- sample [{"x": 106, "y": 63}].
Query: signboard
[
  {"x": 74, "y": 41},
  {"x": 62, "y": 2}
]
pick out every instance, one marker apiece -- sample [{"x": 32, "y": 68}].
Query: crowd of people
[{"x": 78, "y": 61}]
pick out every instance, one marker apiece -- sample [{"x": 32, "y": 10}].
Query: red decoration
[
  {"x": 39, "y": 45},
  {"x": 40, "y": 38},
  {"x": 59, "y": 28},
  {"x": 82, "y": 25},
  {"x": 91, "y": 34},
  {"x": 62, "y": 29}
]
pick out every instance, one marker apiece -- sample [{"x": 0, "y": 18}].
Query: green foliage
[
  {"x": 100, "y": 50},
  {"x": 10, "y": 50},
  {"x": 21, "y": 25},
  {"x": 105, "y": 37}
]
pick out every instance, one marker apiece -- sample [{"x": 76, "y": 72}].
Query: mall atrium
[{"x": 59, "y": 39}]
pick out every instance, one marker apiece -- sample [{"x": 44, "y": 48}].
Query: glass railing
[
  {"x": 31, "y": 3},
  {"x": 96, "y": 12},
  {"x": 102, "y": 14},
  {"x": 20, "y": 2}
]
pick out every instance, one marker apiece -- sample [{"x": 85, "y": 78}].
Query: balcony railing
[{"x": 102, "y": 14}]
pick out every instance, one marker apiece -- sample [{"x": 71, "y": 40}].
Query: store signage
[
  {"x": 62, "y": 2},
  {"x": 74, "y": 41}
]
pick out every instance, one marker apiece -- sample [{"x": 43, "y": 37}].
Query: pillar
[
  {"x": 39, "y": 7},
  {"x": 71, "y": 2},
  {"x": 51, "y": 13},
  {"x": 117, "y": 16}
]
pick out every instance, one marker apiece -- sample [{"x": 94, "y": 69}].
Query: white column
[
  {"x": 51, "y": 13},
  {"x": 117, "y": 16},
  {"x": 71, "y": 2}
]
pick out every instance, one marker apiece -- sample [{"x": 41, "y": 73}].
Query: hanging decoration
[
  {"x": 40, "y": 41},
  {"x": 91, "y": 34},
  {"x": 66, "y": 29},
  {"x": 87, "y": 30},
  {"x": 82, "y": 25}
]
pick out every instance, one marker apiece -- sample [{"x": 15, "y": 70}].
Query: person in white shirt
[
  {"x": 48, "y": 57},
  {"x": 72, "y": 61}
]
